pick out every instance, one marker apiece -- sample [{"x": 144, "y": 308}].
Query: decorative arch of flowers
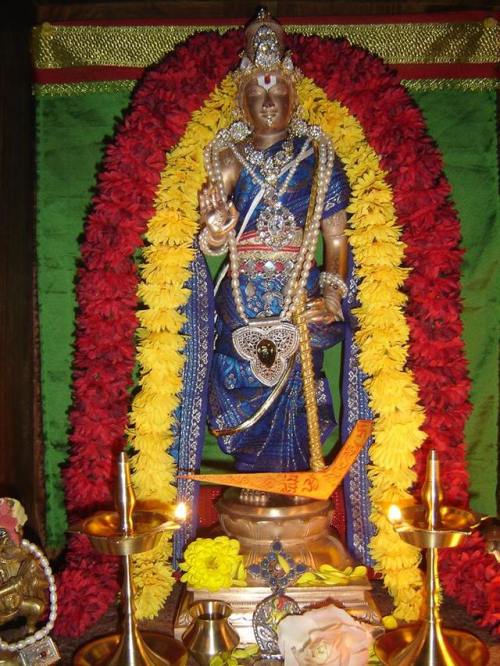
[{"x": 405, "y": 236}]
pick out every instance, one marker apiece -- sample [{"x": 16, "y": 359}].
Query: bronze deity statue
[
  {"x": 27, "y": 590},
  {"x": 274, "y": 187}
]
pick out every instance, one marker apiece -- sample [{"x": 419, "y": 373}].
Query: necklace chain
[
  {"x": 271, "y": 166},
  {"x": 268, "y": 182}
]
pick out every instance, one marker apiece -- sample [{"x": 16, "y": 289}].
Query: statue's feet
[
  {"x": 262, "y": 498},
  {"x": 254, "y": 497}
]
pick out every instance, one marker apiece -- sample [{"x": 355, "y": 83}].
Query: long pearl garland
[{"x": 40, "y": 633}]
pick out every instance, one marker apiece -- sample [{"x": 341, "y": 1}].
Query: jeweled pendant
[
  {"x": 266, "y": 352},
  {"x": 276, "y": 224}
]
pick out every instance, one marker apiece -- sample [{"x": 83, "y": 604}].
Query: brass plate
[
  {"x": 389, "y": 645},
  {"x": 103, "y": 530},
  {"x": 100, "y": 651},
  {"x": 455, "y": 525}
]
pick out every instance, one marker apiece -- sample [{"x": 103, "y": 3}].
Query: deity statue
[
  {"x": 23, "y": 585},
  {"x": 274, "y": 185}
]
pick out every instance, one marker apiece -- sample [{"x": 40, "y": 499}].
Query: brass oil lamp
[
  {"x": 125, "y": 532},
  {"x": 431, "y": 526}
]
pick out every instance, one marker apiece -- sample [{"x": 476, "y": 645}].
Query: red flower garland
[
  {"x": 105, "y": 346},
  {"x": 106, "y": 323},
  {"x": 396, "y": 129}
]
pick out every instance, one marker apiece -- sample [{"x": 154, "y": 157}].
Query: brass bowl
[
  {"x": 389, "y": 646},
  {"x": 100, "y": 651},
  {"x": 106, "y": 536},
  {"x": 456, "y": 524}
]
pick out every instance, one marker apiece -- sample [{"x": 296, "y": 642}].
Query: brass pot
[{"x": 210, "y": 631}]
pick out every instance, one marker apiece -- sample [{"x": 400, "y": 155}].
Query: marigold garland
[
  {"x": 396, "y": 129},
  {"x": 108, "y": 281},
  {"x": 375, "y": 242},
  {"x": 170, "y": 234}
]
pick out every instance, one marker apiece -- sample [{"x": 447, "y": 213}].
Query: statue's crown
[{"x": 264, "y": 47}]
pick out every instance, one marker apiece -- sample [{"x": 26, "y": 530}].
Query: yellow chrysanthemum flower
[{"x": 213, "y": 564}]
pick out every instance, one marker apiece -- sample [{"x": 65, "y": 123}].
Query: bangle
[
  {"x": 333, "y": 280},
  {"x": 206, "y": 248}
]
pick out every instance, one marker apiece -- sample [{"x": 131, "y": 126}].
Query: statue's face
[{"x": 268, "y": 100}]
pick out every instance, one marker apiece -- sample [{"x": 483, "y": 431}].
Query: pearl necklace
[
  {"x": 268, "y": 343},
  {"x": 45, "y": 631}
]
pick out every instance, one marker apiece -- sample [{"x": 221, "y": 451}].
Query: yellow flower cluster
[
  {"x": 382, "y": 338},
  {"x": 213, "y": 564},
  {"x": 165, "y": 271},
  {"x": 329, "y": 575},
  {"x": 383, "y": 342}
]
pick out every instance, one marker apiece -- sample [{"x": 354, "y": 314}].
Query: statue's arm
[
  {"x": 335, "y": 259},
  {"x": 335, "y": 242}
]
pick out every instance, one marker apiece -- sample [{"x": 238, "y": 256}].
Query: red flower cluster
[
  {"x": 105, "y": 346},
  {"x": 395, "y": 128},
  {"x": 107, "y": 285}
]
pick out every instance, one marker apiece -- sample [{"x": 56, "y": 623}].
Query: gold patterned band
[{"x": 59, "y": 46}]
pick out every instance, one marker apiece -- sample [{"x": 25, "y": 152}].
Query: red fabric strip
[{"x": 79, "y": 74}]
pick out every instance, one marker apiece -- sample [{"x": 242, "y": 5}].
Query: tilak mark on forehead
[{"x": 266, "y": 81}]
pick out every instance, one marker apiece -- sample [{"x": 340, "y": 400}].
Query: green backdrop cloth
[{"x": 72, "y": 134}]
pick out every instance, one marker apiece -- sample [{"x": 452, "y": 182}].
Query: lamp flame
[
  {"x": 394, "y": 514},
  {"x": 180, "y": 512}
]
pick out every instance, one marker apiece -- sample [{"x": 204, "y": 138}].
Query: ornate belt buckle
[{"x": 267, "y": 344}]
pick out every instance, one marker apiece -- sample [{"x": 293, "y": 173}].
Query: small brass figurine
[{"x": 27, "y": 587}]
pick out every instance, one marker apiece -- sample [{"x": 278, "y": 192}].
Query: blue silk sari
[
  {"x": 218, "y": 385},
  {"x": 278, "y": 441}
]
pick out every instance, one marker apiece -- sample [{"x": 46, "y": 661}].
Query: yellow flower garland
[
  {"x": 382, "y": 338},
  {"x": 165, "y": 271},
  {"x": 383, "y": 342}
]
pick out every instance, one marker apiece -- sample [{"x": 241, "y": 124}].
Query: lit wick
[
  {"x": 394, "y": 514},
  {"x": 180, "y": 512}
]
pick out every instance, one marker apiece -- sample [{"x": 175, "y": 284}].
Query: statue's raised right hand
[{"x": 217, "y": 215}]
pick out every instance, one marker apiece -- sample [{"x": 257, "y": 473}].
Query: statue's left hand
[
  {"x": 317, "y": 312},
  {"x": 333, "y": 302}
]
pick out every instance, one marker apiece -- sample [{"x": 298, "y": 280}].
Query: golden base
[
  {"x": 100, "y": 651},
  {"x": 302, "y": 529},
  {"x": 356, "y": 599},
  {"x": 393, "y": 648}
]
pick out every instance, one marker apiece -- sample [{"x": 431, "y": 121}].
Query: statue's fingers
[
  {"x": 202, "y": 200},
  {"x": 214, "y": 200},
  {"x": 221, "y": 201},
  {"x": 233, "y": 212}
]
